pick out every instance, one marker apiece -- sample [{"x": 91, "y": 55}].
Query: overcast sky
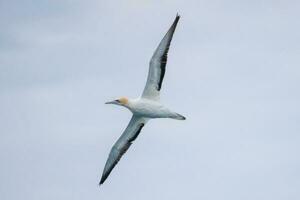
[{"x": 233, "y": 71}]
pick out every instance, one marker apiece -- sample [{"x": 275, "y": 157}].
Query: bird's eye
[{"x": 118, "y": 100}]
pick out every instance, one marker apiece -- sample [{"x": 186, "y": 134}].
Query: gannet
[{"x": 146, "y": 107}]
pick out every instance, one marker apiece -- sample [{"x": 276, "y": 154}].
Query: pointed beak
[{"x": 112, "y": 102}]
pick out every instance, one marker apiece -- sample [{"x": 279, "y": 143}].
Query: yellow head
[{"x": 123, "y": 101}]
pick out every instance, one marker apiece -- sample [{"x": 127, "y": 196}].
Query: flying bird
[{"x": 146, "y": 107}]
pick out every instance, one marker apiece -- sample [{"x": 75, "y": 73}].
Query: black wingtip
[
  {"x": 177, "y": 18},
  {"x": 103, "y": 178},
  {"x": 101, "y": 182},
  {"x": 175, "y": 22}
]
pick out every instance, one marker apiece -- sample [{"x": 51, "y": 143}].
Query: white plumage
[
  {"x": 150, "y": 109},
  {"x": 147, "y": 106}
]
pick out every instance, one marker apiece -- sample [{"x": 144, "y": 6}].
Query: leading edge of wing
[
  {"x": 122, "y": 145},
  {"x": 163, "y": 56},
  {"x": 158, "y": 63}
]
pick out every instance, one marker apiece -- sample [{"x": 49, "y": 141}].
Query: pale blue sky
[{"x": 233, "y": 71}]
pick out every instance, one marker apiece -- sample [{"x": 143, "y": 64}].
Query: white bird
[{"x": 147, "y": 106}]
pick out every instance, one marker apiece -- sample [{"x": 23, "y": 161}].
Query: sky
[{"x": 233, "y": 71}]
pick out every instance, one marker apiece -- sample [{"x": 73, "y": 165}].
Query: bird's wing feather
[
  {"x": 157, "y": 65},
  {"x": 123, "y": 143}
]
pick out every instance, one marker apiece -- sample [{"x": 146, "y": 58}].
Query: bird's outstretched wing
[
  {"x": 123, "y": 143},
  {"x": 158, "y": 63}
]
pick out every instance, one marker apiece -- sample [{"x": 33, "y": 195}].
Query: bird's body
[
  {"x": 146, "y": 107},
  {"x": 150, "y": 109}
]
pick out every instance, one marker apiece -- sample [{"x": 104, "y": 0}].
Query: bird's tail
[{"x": 178, "y": 116}]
